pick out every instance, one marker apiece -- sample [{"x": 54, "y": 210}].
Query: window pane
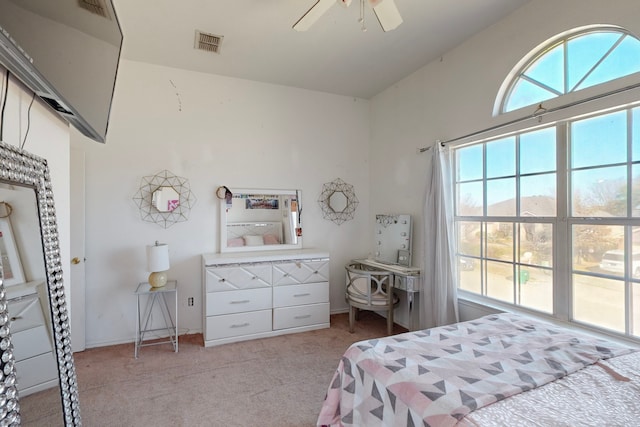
[
  {"x": 536, "y": 244},
  {"x": 525, "y": 93},
  {"x": 501, "y": 197},
  {"x": 585, "y": 51},
  {"x": 635, "y": 133},
  {"x": 635, "y": 244},
  {"x": 500, "y": 281},
  {"x": 469, "y": 235},
  {"x": 536, "y": 288},
  {"x": 635, "y": 191},
  {"x": 469, "y": 163},
  {"x": 599, "y": 140},
  {"x": 594, "y": 248},
  {"x": 549, "y": 69},
  {"x": 538, "y": 151},
  {"x": 469, "y": 200},
  {"x": 538, "y": 195},
  {"x": 599, "y": 302},
  {"x": 599, "y": 192},
  {"x": 499, "y": 242},
  {"x": 635, "y": 309},
  {"x": 469, "y": 275},
  {"x": 621, "y": 62},
  {"x": 501, "y": 158}
]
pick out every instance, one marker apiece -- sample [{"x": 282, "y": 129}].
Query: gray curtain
[{"x": 439, "y": 301}]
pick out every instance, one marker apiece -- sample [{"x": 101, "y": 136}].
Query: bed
[{"x": 502, "y": 369}]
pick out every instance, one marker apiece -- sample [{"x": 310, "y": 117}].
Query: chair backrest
[{"x": 369, "y": 287}]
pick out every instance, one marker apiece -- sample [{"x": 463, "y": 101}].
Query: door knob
[{"x": 75, "y": 260}]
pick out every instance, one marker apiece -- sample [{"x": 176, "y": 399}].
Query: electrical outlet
[{"x": 190, "y": 301}]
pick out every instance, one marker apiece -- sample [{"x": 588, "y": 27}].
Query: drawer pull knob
[
  {"x": 315, "y": 272},
  {"x": 254, "y": 278},
  {"x": 240, "y": 325},
  {"x": 222, "y": 280},
  {"x": 301, "y": 295},
  {"x": 306, "y": 316},
  {"x": 286, "y": 274},
  {"x": 244, "y": 301}
]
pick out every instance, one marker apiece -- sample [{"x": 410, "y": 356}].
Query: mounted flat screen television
[{"x": 67, "y": 52}]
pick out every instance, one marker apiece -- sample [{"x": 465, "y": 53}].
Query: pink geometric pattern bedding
[{"x": 436, "y": 376}]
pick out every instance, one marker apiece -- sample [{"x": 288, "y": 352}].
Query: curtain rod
[{"x": 540, "y": 110}]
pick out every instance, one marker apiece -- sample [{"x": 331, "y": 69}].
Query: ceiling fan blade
[
  {"x": 387, "y": 14},
  {"x": 313, "y": 14}
]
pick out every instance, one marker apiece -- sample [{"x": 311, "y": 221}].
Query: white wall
[
  {"x": 213, "y": 131},
  {"x": 455, "y": 95}
]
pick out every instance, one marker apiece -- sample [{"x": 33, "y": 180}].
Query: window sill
[{"x": 479, "y": 303}]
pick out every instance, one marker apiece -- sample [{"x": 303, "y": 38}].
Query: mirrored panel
[
  {"x": 392, "y": 237},
  {"x": 39, "y": 383},
  {"x": 260, "y": 220}
]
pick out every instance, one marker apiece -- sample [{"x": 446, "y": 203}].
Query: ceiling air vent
[
  {"x": 96, "y": 7},
  {"x": 208, "y": 42}
]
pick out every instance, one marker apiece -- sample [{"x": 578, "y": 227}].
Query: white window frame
[{"x": 562, "y": 224}]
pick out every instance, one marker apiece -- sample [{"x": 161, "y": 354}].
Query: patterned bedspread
[{"x": 437, "y": 376}]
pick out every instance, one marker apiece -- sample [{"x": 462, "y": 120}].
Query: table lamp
[{"x": 158, "y": 264}]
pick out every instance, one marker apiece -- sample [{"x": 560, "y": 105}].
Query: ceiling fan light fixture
[
  {"x": 388, "y": 15},
  {"x": 385, "y": 10}
]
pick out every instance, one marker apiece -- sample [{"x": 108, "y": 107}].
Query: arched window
[
  {"x": 570, "y": 63},
  {"x": 547, "y": 215}
]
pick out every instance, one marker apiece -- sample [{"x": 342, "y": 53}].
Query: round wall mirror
[
  {"x": 338, "y": 201},
  {"x": 165, "y": 199}
]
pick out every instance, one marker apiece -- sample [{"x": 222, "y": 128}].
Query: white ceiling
[{"x": 334, "y": 56}]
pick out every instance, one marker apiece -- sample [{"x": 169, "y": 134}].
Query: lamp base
[{"x": 158, "y": 279}]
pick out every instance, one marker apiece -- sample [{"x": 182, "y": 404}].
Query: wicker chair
[{"x": 369, "y": 289}]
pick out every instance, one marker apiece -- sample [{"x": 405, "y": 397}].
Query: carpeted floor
[{"x": 279, "y": 381}]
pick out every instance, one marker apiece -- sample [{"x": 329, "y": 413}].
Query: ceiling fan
[{"x": 385, "y": 10}]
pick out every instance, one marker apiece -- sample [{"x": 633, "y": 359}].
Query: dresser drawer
[
  {"x": 36, "y": 370},
  {"x": 236, "y": 277},
  {"x": 25, "y": 313},
  {"x": 303, "y": 315},
  {"x": 233, "y": 325},
  {"x": 238, "y": 301},
  {"x": 30, "y": 342},
  {"x": 291, "y": 273},
  {"x": 308, "y": 293}
]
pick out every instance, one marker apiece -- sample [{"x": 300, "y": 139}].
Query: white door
[{"x": 77, "y": 276}]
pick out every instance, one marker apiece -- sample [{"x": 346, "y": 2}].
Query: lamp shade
[{"x": 158, "y": 257}]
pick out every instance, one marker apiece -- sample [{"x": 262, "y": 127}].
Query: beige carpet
[{"x": 279, "y": 381}]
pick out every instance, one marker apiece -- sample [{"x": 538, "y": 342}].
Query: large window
[
  {"x": 532, "y": 230},
  {"x": 548, "y": 218}
]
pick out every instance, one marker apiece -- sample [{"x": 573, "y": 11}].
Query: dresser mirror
[
  {"x": 260, "y": 220},
  {"x": 39, "y": 383}
]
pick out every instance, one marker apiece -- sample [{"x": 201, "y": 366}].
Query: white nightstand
[{"x": 156, "y": 298}]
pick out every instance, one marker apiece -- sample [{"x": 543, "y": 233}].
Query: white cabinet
[
  {"x": 36, "y": 367},
  {"x": 256, "y": 295}
]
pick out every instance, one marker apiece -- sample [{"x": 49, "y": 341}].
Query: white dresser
[
  {"x": 36, "y": 366},
  {"x": 261, "y": 294}
]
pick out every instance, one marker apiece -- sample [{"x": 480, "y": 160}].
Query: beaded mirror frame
[{"x": 21, "y": 168}]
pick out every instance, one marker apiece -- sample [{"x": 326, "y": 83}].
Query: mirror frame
[
  {"x": 18, "y": 167},
  {"x": 223, "y": 221}
]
